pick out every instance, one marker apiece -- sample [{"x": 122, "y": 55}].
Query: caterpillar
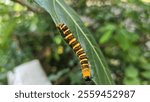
[{"x": 76, "y": 46}]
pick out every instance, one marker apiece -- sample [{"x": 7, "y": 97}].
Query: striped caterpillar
[{"x": 76, "y": 46}]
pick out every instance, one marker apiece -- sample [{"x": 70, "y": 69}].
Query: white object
[{"x": 30, "y": 73}]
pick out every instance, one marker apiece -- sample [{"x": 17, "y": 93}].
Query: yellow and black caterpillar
[{"x": 76, "y": 46}]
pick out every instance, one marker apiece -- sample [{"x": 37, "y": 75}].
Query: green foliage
[
  {"x": 146, "y": 74},
  {"x": 131, "y": 76},
  {"x": 130, "y": 69},
  {"x": 108, "y": 29},
  {"x": 121, "y": 30}
]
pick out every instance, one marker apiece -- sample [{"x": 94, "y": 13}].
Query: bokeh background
[{"x": 121, "y": 28}]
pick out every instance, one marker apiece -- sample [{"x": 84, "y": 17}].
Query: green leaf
[
  {"x": 145, "y": 66},
  {"x": 131, "y": 81},
  {"x": 62, "y": 13},
  {"x": 146, "y": 74},
  {"x": 133, "y": 37},
  {"x": 55, "y": 77},
  {"x": 107, "y": 32},
  {"x": 133, "y": 53},
  {"x": 105, "y": 37},
  {"x": 74, "y": 77},
  {"x": 5, "y": 32},
  {"x": 123, "y": 40},
  {"x": 131, "y": 72},
  {"x": 108, "y": 27}
]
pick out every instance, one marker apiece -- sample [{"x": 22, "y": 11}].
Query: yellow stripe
[
  {"x": 86, "y": 69},
  {"x": 82, "y": 55},
  {"x": 63, "y": 26},
  {"x": 85, "y": 64},
  {"x": 76, "y": 46},
  {"x": 66, "y": 31},
  {"x": 83, "y": 60},
  {"x": 72, "y": 40},
  {"x": 68, "y": 36},
  {"x": 79, "y": 51}
]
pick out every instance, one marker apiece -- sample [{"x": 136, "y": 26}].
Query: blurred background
[{"x": 121, "y": 29}]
